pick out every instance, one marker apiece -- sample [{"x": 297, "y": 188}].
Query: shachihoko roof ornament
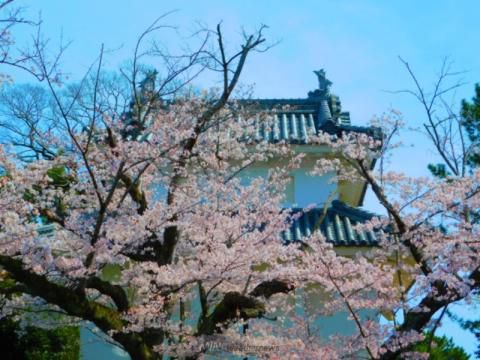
[{"x": 295, "y": 120}]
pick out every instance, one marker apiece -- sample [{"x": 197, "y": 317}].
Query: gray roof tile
[
  {"x": 295, "y": 120},
  {"x": 337, "y": 225}
]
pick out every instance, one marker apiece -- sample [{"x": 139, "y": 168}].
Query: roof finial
[
  {"x": 323, "y": 83},
  {"x": 148, "y": 83}
]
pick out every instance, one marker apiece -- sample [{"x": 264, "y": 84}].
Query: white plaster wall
[
  {"x": 304, "y": 190},
  {"x": 312, "y": 189},
  {"x": 307, "y": 189}
]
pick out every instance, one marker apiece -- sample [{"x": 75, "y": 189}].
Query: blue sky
[{"x": 357, "y": 42}]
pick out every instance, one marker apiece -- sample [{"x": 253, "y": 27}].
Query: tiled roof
[
  {"x": 337, "y": 225},
  {"x": 295, "y": 120},
  {"x": 291, "y": 120},
  {"x": 297, "y": 126},
  {"x": 46, "y": 230}
]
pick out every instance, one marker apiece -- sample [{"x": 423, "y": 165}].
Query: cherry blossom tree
[{"x": 430, "y": 240}]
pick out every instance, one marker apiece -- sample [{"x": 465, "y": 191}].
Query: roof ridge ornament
[
  {"x": 322, "y": 97},
  {"x": 323, "y": 90},
  {"x": 323, "y": 83}
]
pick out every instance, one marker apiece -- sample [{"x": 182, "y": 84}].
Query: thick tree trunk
[{"x": 136, "y": 347}]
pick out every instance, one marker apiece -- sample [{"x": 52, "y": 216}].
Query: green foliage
[
  {"x": 38, "y": 344},
  {"x": 438, "y": 170},
  {"x": 112, "y": 272},
  {"x": 28, "y": 196},
  {"x": 6, "y": 283},
  {"x": 58, "y": 344},
  {"x": 442, "y": 348},
  {"x": 470, "y": 113},
  {"x": 59, "y": 176}
]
